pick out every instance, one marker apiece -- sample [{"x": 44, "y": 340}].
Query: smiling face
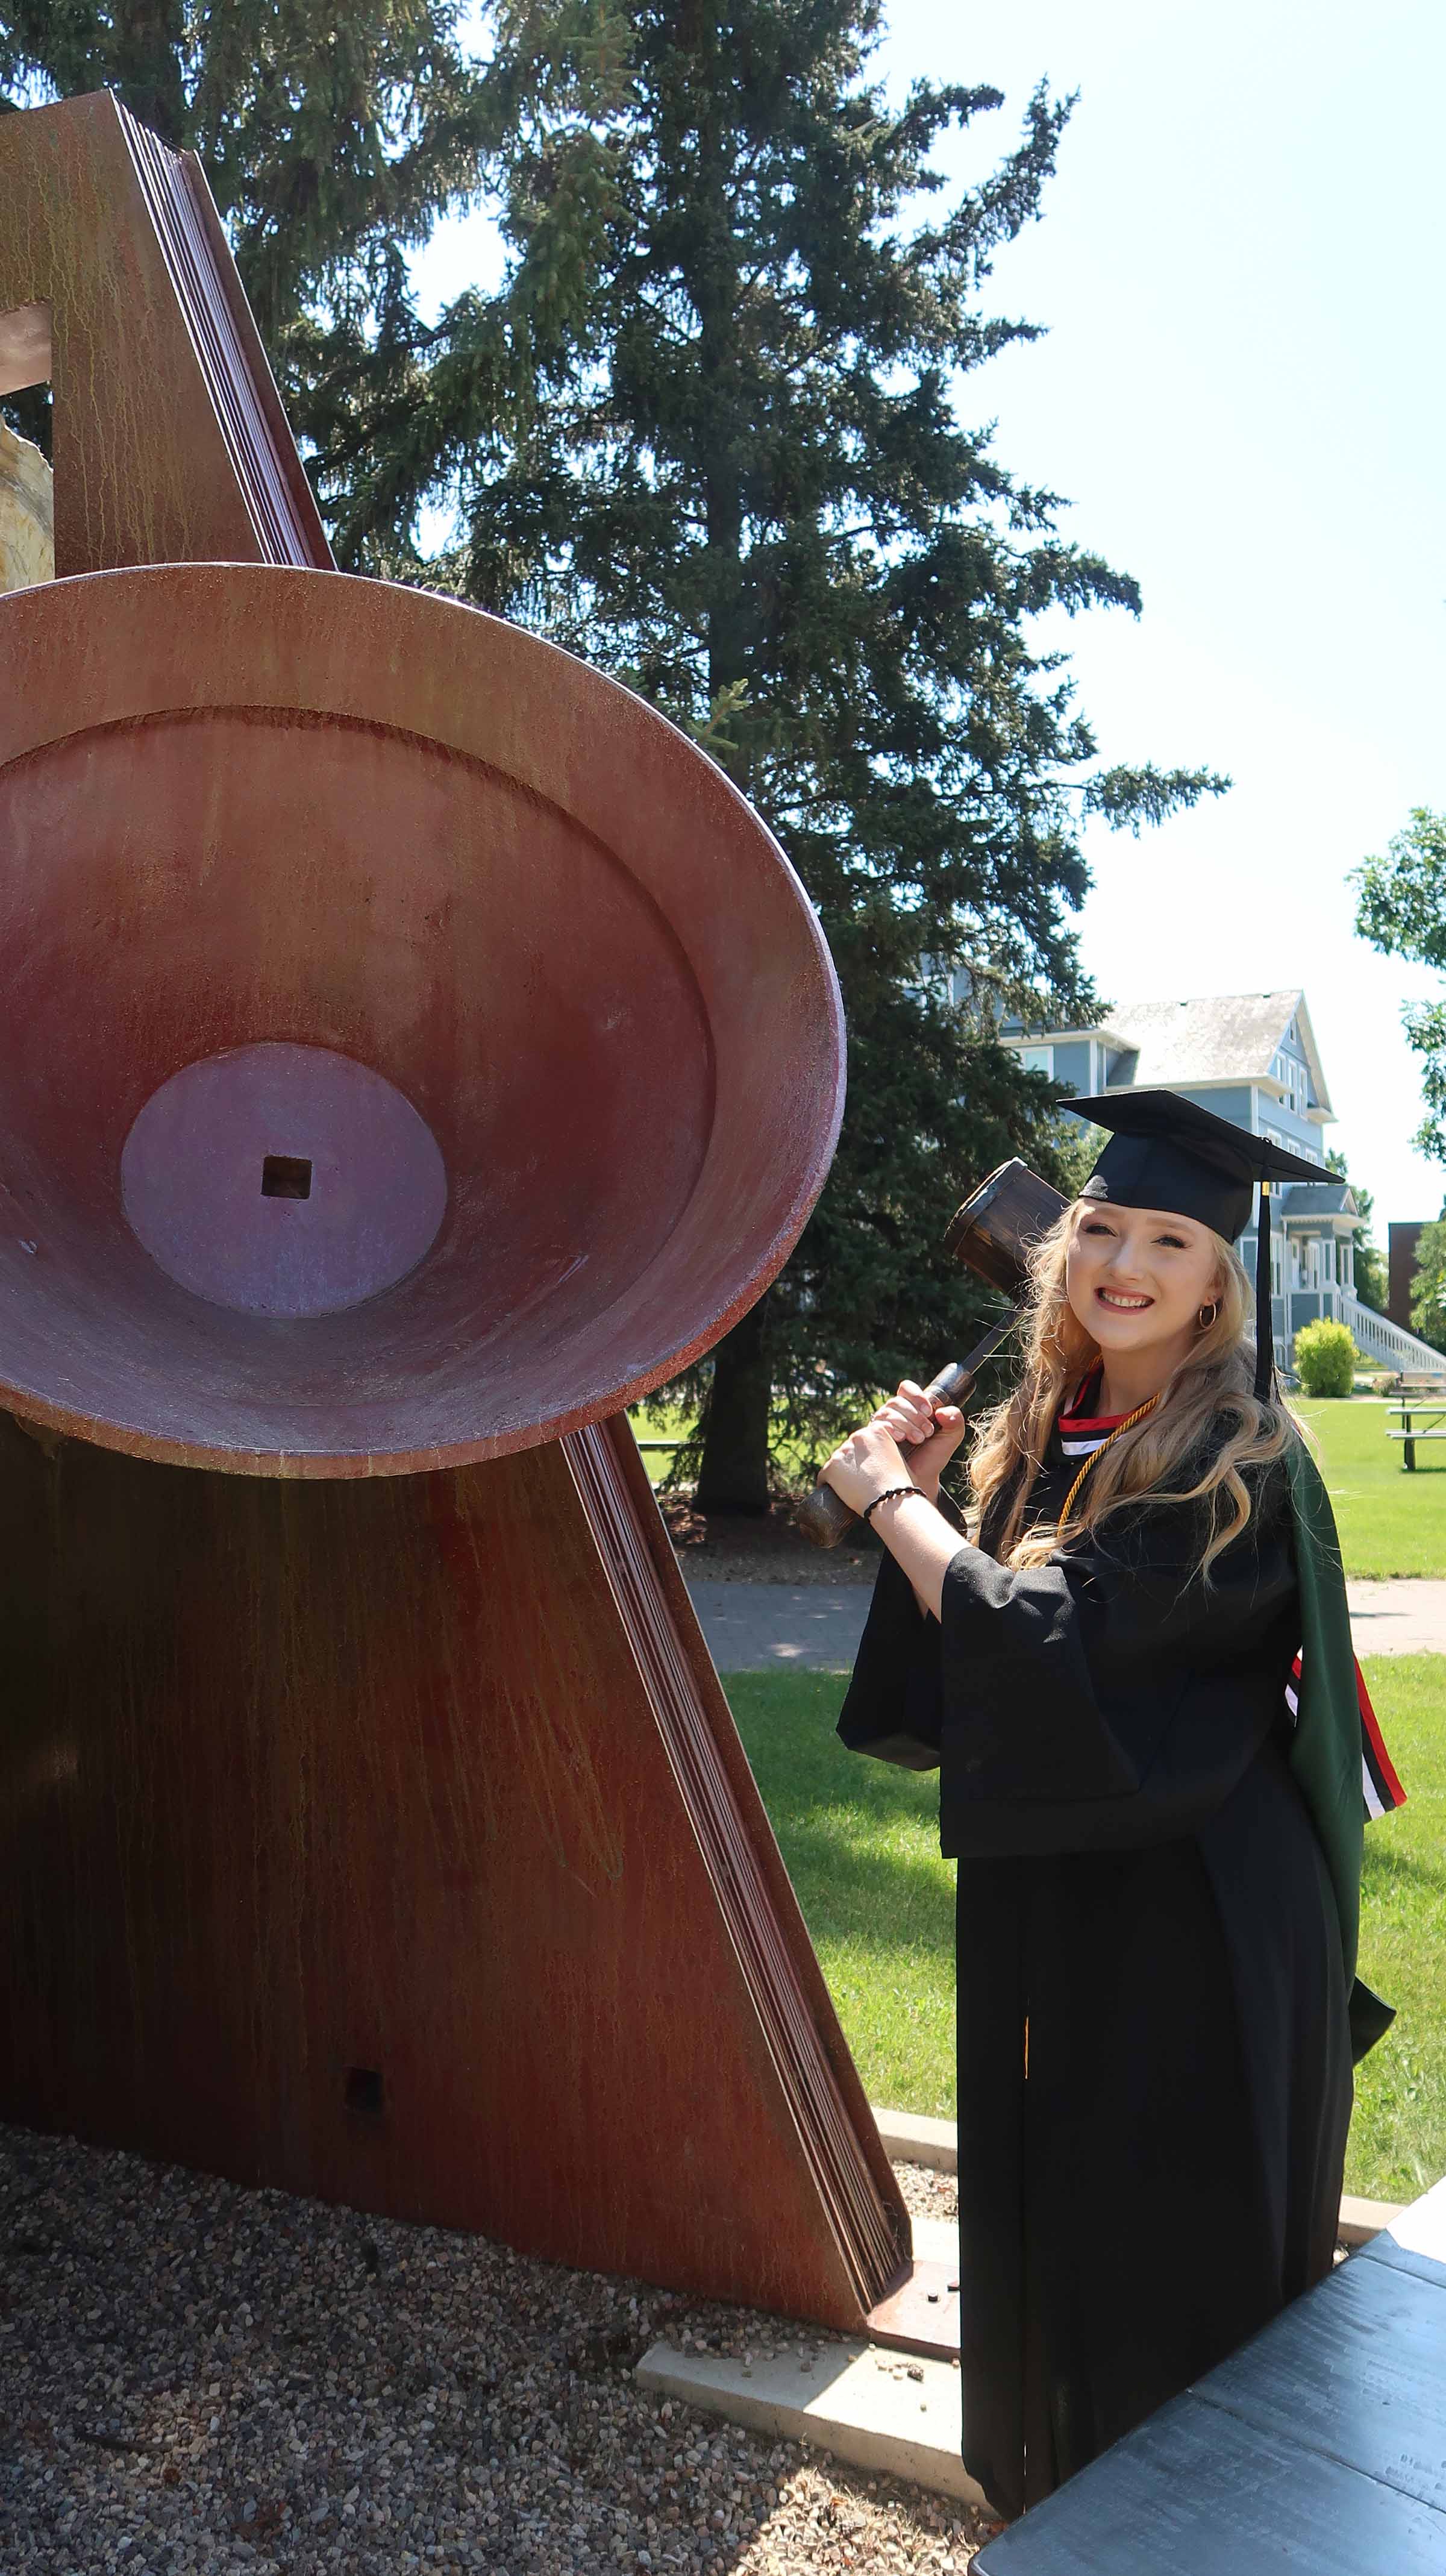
[{"x": 1137, "y": 1278}]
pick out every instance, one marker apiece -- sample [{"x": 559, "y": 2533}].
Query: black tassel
[{"x": 1264, "y": 1330}]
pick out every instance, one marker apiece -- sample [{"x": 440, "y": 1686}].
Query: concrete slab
[
  {"x": 936, "y": 2240},
  {"x": 911, "y": 2139},
  {"x": 751, "y": 1627},
  {"x": 755, "y": 1627},
  {"x": 1360, "y": 2220},
  {"x": 908, "y": 2138},
  {"x": 885, "y": 2412},
  {"x": 1404, "y": 1617}
]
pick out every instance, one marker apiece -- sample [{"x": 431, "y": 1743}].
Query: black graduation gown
[{"x": 1153, "y": 2051}]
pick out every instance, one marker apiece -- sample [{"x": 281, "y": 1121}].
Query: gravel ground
[
  {"x": 194, "y": 2376},
  {"x": 928, "y": 2194}
]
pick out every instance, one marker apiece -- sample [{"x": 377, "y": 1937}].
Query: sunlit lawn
[
  {"x": 1390, "y": 1522},
  {"x": 861, "y": 1843}
]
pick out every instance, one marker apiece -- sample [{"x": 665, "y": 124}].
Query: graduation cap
[{"x": 1165, "y": 1152}]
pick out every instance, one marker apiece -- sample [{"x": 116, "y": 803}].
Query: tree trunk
[
  {"x": 734, "y": 1473},
  {"x": 733, "y": 1476}
]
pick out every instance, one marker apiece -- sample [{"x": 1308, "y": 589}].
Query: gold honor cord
[{"x": 1118, "y": 1433}]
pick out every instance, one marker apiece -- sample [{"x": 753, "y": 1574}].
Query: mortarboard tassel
[{"x": 1264, "y": 1325}]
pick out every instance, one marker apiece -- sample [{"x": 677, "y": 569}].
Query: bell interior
[{"x": 360, "y": 1104}]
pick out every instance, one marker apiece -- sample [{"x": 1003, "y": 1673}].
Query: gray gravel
[
  {"x": 194, "y": 2376},
  {"x": 928, "y": 2193}
]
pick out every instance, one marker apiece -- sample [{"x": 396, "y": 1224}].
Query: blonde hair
[{"x": 1210, "y": 1391}]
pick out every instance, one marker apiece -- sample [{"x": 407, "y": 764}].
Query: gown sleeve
[
  {"x": 893, "y": 1708},
  {"x": 1108, "y": 1699}
]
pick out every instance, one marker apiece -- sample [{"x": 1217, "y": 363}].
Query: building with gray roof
[{"x": 1253, "y": 1058}]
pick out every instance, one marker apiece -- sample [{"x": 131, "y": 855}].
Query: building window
[
  {"x": 1277, "y": 1268},
  {"x": 1294, "y": 1082},
  {"x": 1037, "y": 1060}
]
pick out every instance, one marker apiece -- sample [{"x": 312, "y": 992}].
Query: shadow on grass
[
  {"x": 896, "y": 1900},
  {"x": 1380, "y": 1867},
  {"x": 860, "y": 1839}
]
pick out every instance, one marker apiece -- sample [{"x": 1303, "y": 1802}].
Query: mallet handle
[{"x": 825, "y": 1517}]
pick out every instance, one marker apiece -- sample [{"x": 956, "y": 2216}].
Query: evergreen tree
[
  {"x": 331, "y": 138},
  {"x": 710, "y": 435},
  {"x": 1402, "y": 912}
]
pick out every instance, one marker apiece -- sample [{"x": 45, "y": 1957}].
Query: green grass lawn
[
  {"x": 861, "y": 1843},
  {"x": 1390, "y": 1523}
]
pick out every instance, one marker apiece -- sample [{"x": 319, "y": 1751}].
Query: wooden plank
[
  {"x": 1196, "y": 2492},
  {"x": 1357, "y": 2370}
]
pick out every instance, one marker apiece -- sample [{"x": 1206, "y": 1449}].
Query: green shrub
[{"x": 1325, "y": 1358}]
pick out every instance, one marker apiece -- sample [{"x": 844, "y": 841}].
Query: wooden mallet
[{"x": 993, "y": 1234}]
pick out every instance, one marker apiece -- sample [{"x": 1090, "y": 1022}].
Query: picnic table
[
  {"x": 1319, "y": 2446},
  {"x": 1412, "y": 1428}
]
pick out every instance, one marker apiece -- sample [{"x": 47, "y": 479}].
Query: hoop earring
[{"x": 1204, "y": 1320}]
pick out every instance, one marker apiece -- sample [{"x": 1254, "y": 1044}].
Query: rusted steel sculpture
[{"x": 411, "y": 1050}]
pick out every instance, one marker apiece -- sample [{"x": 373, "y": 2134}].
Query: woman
[{"x": 1154, "y": 2049}]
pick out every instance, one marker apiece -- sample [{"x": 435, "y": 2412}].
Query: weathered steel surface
[
  {"x": 297, "y": 807},
  {"x": 384, "y": 1836},
  {"x": 349, "y": 1208},
  {"x": 170, "y": 444},
  {"x": 343, "y": 1847},
  {"x": 922, "y": 2314}
]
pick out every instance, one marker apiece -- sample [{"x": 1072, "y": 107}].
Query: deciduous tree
[
  {"x": 1402, "y": 912},
  {"x": 1428, "y": 1284},
  {"x": 1369, "y": 1266}
]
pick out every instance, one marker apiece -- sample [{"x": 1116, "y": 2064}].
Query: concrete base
[
  {"x": 908, "y": 2138},
  {"x": 892, "y": 2413},
  {"x": 885, "y": 2412},
  {"x": 1360, "y": 2220}
]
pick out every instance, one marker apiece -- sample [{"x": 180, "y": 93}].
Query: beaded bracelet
[{"x": 887, "y": 1496}]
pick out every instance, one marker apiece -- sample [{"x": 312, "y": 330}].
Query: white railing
[{"x": 1382, "y": 1340}]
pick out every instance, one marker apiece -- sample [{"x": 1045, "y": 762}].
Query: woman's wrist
[
  {"x": 923, "y": 1543},
  {"x": 887, "y": 1496}
]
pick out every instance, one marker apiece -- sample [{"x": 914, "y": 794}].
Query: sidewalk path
[
  {"x": 1403, "y": 1617},
  {"x": 750, "y": 1627}
]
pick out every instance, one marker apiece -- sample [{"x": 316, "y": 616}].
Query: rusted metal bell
[
  {"x": 997, "y": 1227},
  {"x": 411, "y": 1046}
]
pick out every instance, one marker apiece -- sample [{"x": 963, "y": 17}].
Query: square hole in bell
[
  {"x": 364, "y": 2091},
  {"x": 285, "y": 1176}
]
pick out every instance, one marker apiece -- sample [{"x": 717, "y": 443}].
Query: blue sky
[{"x": 1241, "y": 392}]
